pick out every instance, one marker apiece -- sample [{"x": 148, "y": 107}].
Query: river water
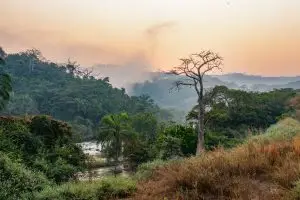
[{"x": 93, "y": 149}]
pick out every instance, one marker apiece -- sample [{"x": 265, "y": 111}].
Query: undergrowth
[
  {"x": 264, "y": 167},
  {"x": 104, "y": 189}
]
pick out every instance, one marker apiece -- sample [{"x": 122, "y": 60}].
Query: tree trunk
[{"x": 200, "y": 142}]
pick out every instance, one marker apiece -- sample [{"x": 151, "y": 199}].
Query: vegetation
[
  {"x": 42, "y": 144},
  {"x": 234, "y": 114},
  {"x": 104, "y": 189},
  {"x": 17, "y": 181},
  {"x": 195, "y": 67},
  {"x": 114, "y": 132},
  {"x": 36, "y": 152},
  {"x": 249, "y": 155},
  {"x": 254, "y": 170},
  {"x": 68, "y": 92},
  {"x": 5, "y": 81}
]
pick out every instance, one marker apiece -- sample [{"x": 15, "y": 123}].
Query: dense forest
[
  {"x": 47, "y": 108},
  {"x": 68, "y": 92}
]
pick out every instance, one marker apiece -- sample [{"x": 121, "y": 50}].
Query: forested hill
[{"x": 66, "y": 92}]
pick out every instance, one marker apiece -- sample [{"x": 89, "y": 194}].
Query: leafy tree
[
  {"x": 21, "y": 105},
  {"x": 186, "y": 136},
  {"x": 138, "y": 151},
  {"x": 5, "y": 82},
  {"x": 17, "y": 181},
  {"x": 146, "y": 125},
  {"x": 232, "y": 114},
  {"x": 194, "y": 68},
  {"x": 44, "y": 87},
  {"x": 295, "y": 104},
  {"x": 115, "y": 130},
  {"x": 2, "y": 55},
  {"x": 170, "y": 147},
  {"x": 42, "y": 144}
]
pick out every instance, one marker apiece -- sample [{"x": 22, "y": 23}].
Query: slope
[{"x": 264, "y": 167}]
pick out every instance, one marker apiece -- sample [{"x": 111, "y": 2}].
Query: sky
[{"x": 253, "y": 36}]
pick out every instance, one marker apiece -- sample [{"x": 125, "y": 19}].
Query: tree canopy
[{"x": 67, "y": 92}]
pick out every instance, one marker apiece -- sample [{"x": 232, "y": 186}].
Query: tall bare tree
[{"x": 194, "y": 68}]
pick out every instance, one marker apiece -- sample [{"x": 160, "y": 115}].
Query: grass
[
  {"x": 145, "y": 170},
  {"x": 104, "y": 189},
  {"x": 264, "y": 167},
  {"x": 284, "y": 130}
]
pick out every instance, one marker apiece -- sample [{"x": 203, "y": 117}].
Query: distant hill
[
  {"x": 159, "y": 87},
  {"x": 245, "y": 79},
  {"x": 43, "y": 87}
]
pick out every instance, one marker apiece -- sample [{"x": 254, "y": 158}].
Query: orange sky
[{"x": 253, "y": 36}]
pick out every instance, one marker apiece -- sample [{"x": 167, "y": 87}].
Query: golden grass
[{"x": 254, "y": 170}]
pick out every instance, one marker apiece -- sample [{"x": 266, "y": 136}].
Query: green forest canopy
[{"x": 68, "y": 93}]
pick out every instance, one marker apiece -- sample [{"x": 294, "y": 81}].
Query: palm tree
[
  {"x": 115, "y": 130},
  {"x": 5, "y": 82}
]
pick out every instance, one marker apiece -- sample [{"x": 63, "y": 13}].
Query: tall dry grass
[{"x": 263, "y": 168}]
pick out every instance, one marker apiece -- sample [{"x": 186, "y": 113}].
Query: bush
[
  {"x": 285, "y": 129},
  {"x": 42, "y": 144},
  {"x": 253, "y": 170},
  {"x": 295, "y": 192},
  {"x": 104, "y": 189},
  {"x": 16, "y": 181},
  {"x": 216, "y": 139},
  {"x": 146, "y": 170},
  {"x": 177, "y": 140}
]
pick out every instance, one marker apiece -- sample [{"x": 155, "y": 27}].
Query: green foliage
[
  {"x": 19, "y": 105},
  {"x": 17, "y": 181},
  {"x": 294, "y": 194},
  {"x": 146, "y": 169},
  {"x": 213, "y": 140},
  {"x": 146, "y": 125},
  {"x": 131, "y": 137},
  {"x": 115, "y": 130},
  {"x": 232, "y": 114},
  {"x": 104, "y": 189},
  {"x": 284, "y": 130},
  {"x": 177, "y": 140},
  {"x": 5, "y": 82},
  {"x": 51, "y": 132},
  {"x": 137, "y": 151},
  {"x": 42, "y": 143},
  {"x": 141, "y": 148},
  {"x": 67, "y": 92},
  {"x": 170, "y": 147}
]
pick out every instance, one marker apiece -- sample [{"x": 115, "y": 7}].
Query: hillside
[
  {"x": 160, "y": 87},
  {"x": 67, "y": 92},
  {"x": 246, "y": 79},
  {"x": 264, "y": 167}
]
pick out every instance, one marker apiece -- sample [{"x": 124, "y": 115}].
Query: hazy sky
[{"x": 253, "y": 36}]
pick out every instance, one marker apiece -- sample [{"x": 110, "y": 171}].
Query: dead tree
[{"x": 194, "y": 68}]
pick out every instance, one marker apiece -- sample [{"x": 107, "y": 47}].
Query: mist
[{"x": 138, "y": 67}]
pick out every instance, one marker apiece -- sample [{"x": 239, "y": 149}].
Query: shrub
[
  {"x": 285, "y": 129},
  {"x": 253, "y": 170},
  {"x": 146, "y": 170},
  {"x": 42, "y": 144},
  {"x": 16, "y": 181},
  {"x": 104, "y": 189}
]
